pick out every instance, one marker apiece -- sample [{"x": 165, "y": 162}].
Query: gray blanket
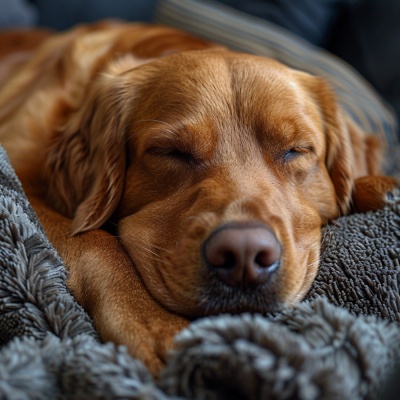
[{"x": 342, "y": 342}]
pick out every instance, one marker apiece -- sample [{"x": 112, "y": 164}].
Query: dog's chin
[{"x": 219, "y": 298}]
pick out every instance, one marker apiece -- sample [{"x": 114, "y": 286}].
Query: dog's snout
[{"x": 242, "y": 255}]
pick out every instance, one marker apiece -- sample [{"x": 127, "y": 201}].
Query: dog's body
[{"x": 178, "y": 179}]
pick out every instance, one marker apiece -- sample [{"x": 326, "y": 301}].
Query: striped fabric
[{"x": 246, "y": 33}]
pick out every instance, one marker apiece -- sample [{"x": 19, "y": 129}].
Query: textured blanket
[{"x": 342, "y": 342}]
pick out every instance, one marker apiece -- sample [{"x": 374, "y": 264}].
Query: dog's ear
[
  {"x": 87, "y": 159},
  {"x": 339, "y": 158},
  {"x": 350, "y": 152}
]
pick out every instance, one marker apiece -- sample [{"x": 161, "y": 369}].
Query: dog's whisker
[
  {"x": 158, "y": 260},
  {"x": 153, "y": 255},
  {"x": 314, "y": 263},
  {"x": 163, "y": 249},
  {"x": 315, "y": 243},
  {"x": 327, "y": 235},
  {"x": 105, "y": 238}
]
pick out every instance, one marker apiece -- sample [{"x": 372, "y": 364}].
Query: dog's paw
[
  {"x": 152, "y": 341},
  {"x": 372, "y": 193},
  {"x": 148, "y": 333}
]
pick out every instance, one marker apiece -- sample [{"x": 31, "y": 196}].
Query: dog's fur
[{"x": 138, "y": 145}]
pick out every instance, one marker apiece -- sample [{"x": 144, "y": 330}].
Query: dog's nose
[{"x": 242, "y": 254}]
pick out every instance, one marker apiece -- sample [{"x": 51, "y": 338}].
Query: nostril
[
  {"x": 219, "y": 257},
  {"x": 267, "y": 258},
  {"x": 229, "y": 261},
  {"x": 221, "y": 254}
]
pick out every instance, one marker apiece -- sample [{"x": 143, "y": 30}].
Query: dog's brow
[
  {"x": 168, "y": 138},
  {"x": 158, "y": 124}
]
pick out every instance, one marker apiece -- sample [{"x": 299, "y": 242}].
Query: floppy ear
[
  {"x": 340, "y": 158},
  {"x": 353, "y": 157},
  {"x": 87, "y": 158}
]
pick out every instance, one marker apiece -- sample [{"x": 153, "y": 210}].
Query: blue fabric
[
  {"x": 17, "y": 13},
  {"x": 310, "y": 19},
  {"x": 62, "y": 14},
  {"x": 365, "y": 33},
  {"x": 243, "y": 32},
  {"x": 367, "y": 36}
]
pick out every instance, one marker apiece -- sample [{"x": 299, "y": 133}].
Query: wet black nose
[{"x": 242, "y": 254}]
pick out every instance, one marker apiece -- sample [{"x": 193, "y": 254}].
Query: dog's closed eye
[
  {"x": 296, "y": 152},
  {"x": 182, "y": 156}
]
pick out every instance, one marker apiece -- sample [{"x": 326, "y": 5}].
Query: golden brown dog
[{"x": 177, "y": 179}]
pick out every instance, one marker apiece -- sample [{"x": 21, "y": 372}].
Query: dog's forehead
[
  {"x": 219, "y": 81},
  {"x": 214, "y": 91},
  {"x": 214, "y": 70}
]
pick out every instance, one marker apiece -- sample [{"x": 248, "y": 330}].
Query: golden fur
[{"x": 135, "y": 143}]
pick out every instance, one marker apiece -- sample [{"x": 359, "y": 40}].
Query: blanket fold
[
  {"x": 313, "y": 351},
  {"x": 341, "y": 343}
]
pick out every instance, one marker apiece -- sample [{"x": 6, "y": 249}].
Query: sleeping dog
[{"x": 178, "y": 179}]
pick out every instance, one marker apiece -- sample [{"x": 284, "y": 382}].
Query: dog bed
[{"x": 342, "y": 342}]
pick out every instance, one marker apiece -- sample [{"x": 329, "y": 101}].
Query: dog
[{"x": 178, "y": 179}]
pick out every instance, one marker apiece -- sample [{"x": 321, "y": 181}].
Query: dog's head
[{"x": 217, "y": 168}]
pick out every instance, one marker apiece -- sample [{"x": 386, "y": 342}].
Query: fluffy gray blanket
[{"x": 341, "y": 343}]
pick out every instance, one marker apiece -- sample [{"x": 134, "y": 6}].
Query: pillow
[{"x": 242, "y": 32}]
